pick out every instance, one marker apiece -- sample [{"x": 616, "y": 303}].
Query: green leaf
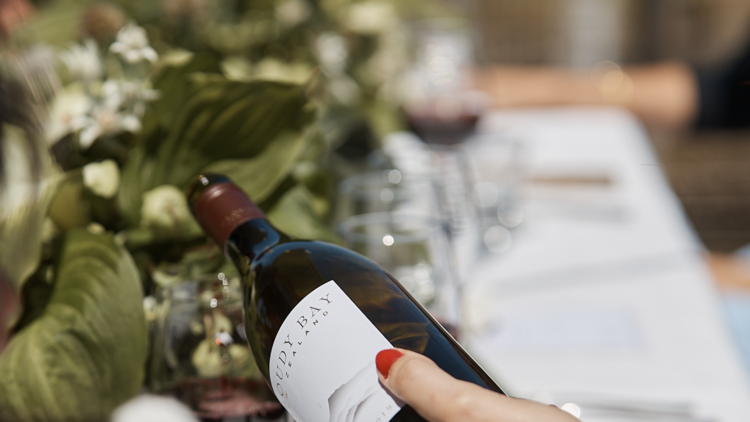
[
  {"x": 23, "y": 207},
  {"x": 220, "y": 120},
  {"x": 85, "y": 354},
  {"x": 136, "y": 171},
  {"x": 172, "y": 83},
  {"x": 294, "y": 214},
  {"x": 228, "y": 120},
  {"x": 261, "y": 175},
  {"x": 21, "y": 234}
]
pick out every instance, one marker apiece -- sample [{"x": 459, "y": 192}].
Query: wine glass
[
  {"x": 439, "y": 107},
  {"x": 388, "y": 191},
  {"x": 449, "y": 168},
  {"x": 453, "y": 173},
  {"x": 420, "y": 193},
  {"x": 498, "y": 167},
  {"x": 415, "y": 250},
  {"x": 200, "y": 354}
]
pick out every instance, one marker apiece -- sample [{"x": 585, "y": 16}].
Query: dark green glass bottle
[{"x": 316, "y": 314}]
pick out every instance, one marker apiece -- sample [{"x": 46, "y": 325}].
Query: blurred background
[
  {"x": 708, "y": 170},
  {"x": 582, "y": 32}
]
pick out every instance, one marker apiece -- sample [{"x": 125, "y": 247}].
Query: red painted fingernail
[{"x": 385, "y": 359}]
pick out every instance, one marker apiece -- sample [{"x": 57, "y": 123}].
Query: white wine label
[{"x": 322, "y": 365}]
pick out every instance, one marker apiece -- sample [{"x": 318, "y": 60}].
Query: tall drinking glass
[{"x": 498, "y": 166}]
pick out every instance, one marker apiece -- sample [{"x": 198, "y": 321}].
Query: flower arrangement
[{"x": 129, "y": 101}]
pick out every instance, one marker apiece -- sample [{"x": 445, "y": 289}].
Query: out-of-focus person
[{"x": 672, "y": 94}]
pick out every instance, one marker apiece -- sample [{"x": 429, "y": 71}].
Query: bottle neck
[
  {"x": 222, "y": 207},
  {"x": 250, "y": 240}
]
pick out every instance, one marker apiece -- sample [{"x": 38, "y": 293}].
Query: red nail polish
[{"x": 385, "y": 359}]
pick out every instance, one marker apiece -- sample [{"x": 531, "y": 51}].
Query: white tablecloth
[{"x": 604, "y": 294}]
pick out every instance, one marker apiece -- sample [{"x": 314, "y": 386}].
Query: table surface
[{"x": 604, "y": 292}]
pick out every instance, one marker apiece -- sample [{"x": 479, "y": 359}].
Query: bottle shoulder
[
  {"x": 322, "y": 253},
  {"x": 302, "y": 265}
]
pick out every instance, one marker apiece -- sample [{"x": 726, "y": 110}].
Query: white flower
[
  {"x": 66, "y": 113},
  {"x": 332, "y": 54},
  {"x": 129, "y": 90},
  {"x": 111, "y": 95},
  {"x": 83, "y": 61},
  {"x": 130, "y": 95},
  {"x": 165, "y": 211},
  {"x": 292, "y": 12},
  {"x": 370, "y": 17},
  {"x": 103, "y": 179},
  {"x": 132, "y": 44},
  {"x": 105, "y": 120},
  {"x": 110, "y": 116}
]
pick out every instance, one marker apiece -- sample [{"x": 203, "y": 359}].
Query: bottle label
[{"x": 323, "y": 362}]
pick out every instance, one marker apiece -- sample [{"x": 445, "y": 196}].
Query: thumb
[{"x": 438, "y": 397}]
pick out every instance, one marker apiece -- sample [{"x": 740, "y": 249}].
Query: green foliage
[
  {"x": 21, "y": 224},
  {"x": 21, "y": 232},
  {"x": 172, "y": 82},
  {"x": 84, "y": 355},
  {"x": 81, "y": 346},
  {"x": 220, "y": 120},
  {"x": 295, "y": 215},
  {"x": 261, "y": 175}
]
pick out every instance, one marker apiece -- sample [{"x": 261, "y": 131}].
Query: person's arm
[
  {"x": 665, "y": 93},
  {"x": 438, "y": 397}
]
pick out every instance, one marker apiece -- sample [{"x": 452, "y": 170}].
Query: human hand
[{"x": 438, "y": 397}]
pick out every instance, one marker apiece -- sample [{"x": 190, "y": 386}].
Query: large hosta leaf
[
  {"x": 21, "y": 231},
  {"x": 24, "y": 202},
  {"x": 261, "y": 175},
  {"x": 226, "y": 119},
  {"x": 172, "y": 82},
  {"x": 294, "y": 214},
  {"x": 85, "y": 354},
  {"x": 219, "y": 120}
]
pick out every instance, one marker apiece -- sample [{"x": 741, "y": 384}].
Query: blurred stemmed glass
[
  {"x": 454, "y": 180},
  {"x": 498, "y": 167},
  {"x": 200, "y": 354},
  {"x": 450, "y": 171},
  {"x": 414, "y": 249},
  {"x": 387, "y": 191},
  {"x": 439, "y": 105}
]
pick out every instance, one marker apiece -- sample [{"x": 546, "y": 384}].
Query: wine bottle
[{"x": 316, "y": 314}]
